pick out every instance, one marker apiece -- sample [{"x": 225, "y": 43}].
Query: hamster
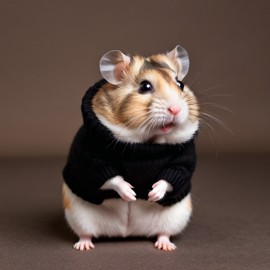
[{"x": 130, "y": 165}]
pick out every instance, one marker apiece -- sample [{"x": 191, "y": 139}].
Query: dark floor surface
[{"x": 230, "y": 228}]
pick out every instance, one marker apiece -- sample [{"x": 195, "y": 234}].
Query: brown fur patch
[
  {"x": 162, "y": 58},
  {"x": 104, "y": 103},
  {"x": 165, "y": 74},
  {"x": 135, "y": 68},
  {"x": 66, "y": 202},
  {"x": 190, "y": 206},
  {"x": 133, "y": 110},
  {"x": 151, "y": 64}
]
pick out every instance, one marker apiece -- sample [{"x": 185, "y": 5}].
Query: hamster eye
[
  {"x": 180, "y": 84},
  {"x": 145, "y": 87}
]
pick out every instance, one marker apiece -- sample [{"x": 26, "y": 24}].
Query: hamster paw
[
  {"x": 163, "y": 243},
  {"x": 123, "y": 188},
  {"x": 159, "y": 190},
  {"x": 85, "y": 243}
]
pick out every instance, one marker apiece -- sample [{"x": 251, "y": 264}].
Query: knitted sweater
[{"x": 96, "y": 156}]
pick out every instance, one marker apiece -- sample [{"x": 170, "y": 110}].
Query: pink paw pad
[{"x": 84, "y": 244}]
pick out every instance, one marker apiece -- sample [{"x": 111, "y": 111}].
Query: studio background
[{"x": 49, "y": 56}]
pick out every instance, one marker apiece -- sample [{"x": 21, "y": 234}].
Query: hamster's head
[{"x": 145, "y": 99}]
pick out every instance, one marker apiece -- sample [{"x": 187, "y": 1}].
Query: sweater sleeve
[
  {"x": 179, "y": 173},
  {"x": 85, "y": 173}
]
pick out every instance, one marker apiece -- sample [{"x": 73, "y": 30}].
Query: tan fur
[
  {"x": 134, "y": 111},
  {"x": 104, "y": 103},
  {"x": 164, "y": 58},
  {"x": 190, "y": 206},
  {"x": 135, "y": 66},
  {"x": 66, "y": 202},
  {"x": 193, "y": 104}
]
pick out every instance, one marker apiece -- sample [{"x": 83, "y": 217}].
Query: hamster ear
[
  {"x": 180, "y": 55},
  {"x": 112, "y": 65}
]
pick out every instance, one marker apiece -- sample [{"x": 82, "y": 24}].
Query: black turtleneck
[{"x": 96, "y": 156}]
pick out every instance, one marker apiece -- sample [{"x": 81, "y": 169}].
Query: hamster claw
[
  {"x": 158, "y": 191},
  {"x": 163, "y": 243},
  {"x": 85, "y": 243}
]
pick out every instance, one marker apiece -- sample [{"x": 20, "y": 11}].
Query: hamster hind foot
[
  {"x": 163, "y": 243},
  {"x": 85, "y": 243}
]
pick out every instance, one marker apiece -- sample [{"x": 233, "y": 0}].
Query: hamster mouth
[
  {"x": 167, "y": 127},
  {"x": 161, "y": 130}
]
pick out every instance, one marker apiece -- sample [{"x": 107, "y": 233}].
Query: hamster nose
[{"x": 174, "y": 110}]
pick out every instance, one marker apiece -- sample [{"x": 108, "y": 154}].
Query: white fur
[
  {"x": 180, "y": 134},
  {"x": 116, "y": 217},
  {"x": 121, "y": 133}
]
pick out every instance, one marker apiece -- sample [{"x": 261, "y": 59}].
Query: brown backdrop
[{"x": 50, "y": 52}]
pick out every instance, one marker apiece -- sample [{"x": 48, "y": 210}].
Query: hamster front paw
[
  {"x": 123, "y": 188},
  {"x": 159, "y": 190}
]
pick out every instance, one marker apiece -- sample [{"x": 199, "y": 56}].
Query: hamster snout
[
  {"x": 174, "y": 110},
  {"x": 170, "y": 105}
]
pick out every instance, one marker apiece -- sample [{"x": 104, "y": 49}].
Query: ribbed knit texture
[{"x": 96, "y": 156}]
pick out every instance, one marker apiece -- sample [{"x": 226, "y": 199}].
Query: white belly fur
[{"x": 115, "y": 217}]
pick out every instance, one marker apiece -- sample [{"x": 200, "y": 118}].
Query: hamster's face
[{"x": 151, "y": 104}]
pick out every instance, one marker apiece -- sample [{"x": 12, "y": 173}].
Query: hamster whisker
[
  {"x": 191, "y": 98},
  {"x": 218, "y": 121},
  {"x": 147, "y": 128},
  {"x": 114, "y": 142},
  {"x": 144, "y": 126},
  {"x": 136, "y": 117},
  {"x": 193, "y": 81},
  {"x": 146, "y": 119},
  {"x": 211, "y": 89},
  {"x": 153, "y": 123},
  {"x": 218, "y": 95},
  {"x": 194, "y": 104},
  {"x": 204, "y": 121},
  {"x": 194, "y": 112},
  {"x": 212, "y": 134},
  {"x": 192, "y": 101},
  {"x": 144, "y": 131},
  {"x": 218, "y": 106}
]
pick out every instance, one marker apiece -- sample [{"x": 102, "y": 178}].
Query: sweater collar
[{"x": 103, "y": 138}]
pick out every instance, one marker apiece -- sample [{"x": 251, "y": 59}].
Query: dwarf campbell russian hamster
[{"x": 131, "y": 163}]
